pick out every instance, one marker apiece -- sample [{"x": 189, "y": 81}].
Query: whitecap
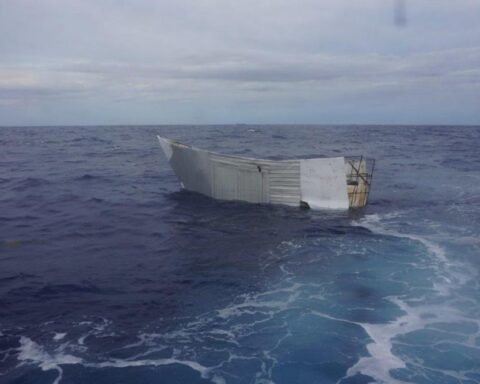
[
  {"x": 381, "y": 360},
  {"x": 32, "y": 353},
  {"x": 59, "y": 336}
]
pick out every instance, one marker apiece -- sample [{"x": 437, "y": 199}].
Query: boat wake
[
  {"x": 323, "y": 307},
  {"x": 421, "y": 313}
]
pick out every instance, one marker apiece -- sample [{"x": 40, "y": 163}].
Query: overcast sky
[{"x": 250, "y": 61}]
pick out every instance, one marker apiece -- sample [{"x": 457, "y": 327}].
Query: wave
[
  {"x": 18, "y": 277},
  {"x": 32, "y": 353},
  {"x": 20, "y": 185},
  {"x": 417, "y": 315},
  {"x": 90, "y": 177},
  {"x": 209, "y": 343}
]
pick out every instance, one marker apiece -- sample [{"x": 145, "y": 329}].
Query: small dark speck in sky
[{"x": 400, "y": 13}]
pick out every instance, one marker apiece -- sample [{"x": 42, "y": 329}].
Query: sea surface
[{"x": 110, "y": 273}]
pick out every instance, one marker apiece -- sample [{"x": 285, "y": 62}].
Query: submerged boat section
[{"x": 320, "y": 183}]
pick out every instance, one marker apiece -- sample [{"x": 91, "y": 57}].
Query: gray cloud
[
  {"x": 459, "y": 64},
  {"x": 187, "y": 56}
]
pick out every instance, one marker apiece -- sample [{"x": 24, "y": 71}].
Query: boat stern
[{"x": 359, "y": 173}]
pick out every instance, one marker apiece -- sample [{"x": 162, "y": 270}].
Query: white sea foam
[
  {"x": 444, "y": 268},
  {"x": 381, "y": 360},
  {"x": 32, "y": 353},
  {"x": 95, "y": 329},
  {"x": 122, "y": 363},
  {"x": 226, "y": 325},
  {"x": 59, "y": 336}
]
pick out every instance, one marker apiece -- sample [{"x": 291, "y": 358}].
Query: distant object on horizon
[{"x": 319, "y": 183}]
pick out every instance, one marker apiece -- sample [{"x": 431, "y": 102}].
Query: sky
[{"x": 84, "y": 62}]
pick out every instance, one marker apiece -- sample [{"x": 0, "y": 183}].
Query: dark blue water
[{"x": 110, "y": 274}]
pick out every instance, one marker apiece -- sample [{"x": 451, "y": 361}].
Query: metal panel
[
  {"x": 319, "y": 182},
  {"x": 192, "y": 167},
  {"x": 250, "y": 186},
  {"x": 238, "y": 179},
  {"x": 224, "y": 182},
  {"x": 323, "y": 183},
  {"x": 284, "y": 183}
]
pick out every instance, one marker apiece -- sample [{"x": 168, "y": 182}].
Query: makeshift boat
[{"x": 319, "y": 183}]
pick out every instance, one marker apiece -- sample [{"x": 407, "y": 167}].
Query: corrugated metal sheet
[
  {"x": 285, "y": 182},
  {"x": 260, "y": 181}
]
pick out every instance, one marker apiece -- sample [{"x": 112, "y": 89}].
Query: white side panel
[
  {"x": 166, "y": 147},
  {"x": 224, "y": 182},
  {"x": 323, "y": 183}
]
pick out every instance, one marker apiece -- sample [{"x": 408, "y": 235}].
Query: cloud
[
  {"x": 364, "y": 71},
  {"x": 260, "y": 52}
]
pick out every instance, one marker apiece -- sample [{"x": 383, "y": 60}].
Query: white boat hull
[{"x": 320, "y": 183}]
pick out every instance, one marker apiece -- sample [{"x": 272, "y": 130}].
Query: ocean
[{"x": 110, "y": 273}]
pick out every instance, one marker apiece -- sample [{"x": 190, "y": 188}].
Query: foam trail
[
  {"x": 372, "y": 222},
  {"x": 382, "y": 360},
  {"x": 204, "y": 371},
  {"x": 444, "y": 281},
  {"x": 30, "y": 352}
]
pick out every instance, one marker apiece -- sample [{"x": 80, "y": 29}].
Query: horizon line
[{"x": 242, "y": 124}]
